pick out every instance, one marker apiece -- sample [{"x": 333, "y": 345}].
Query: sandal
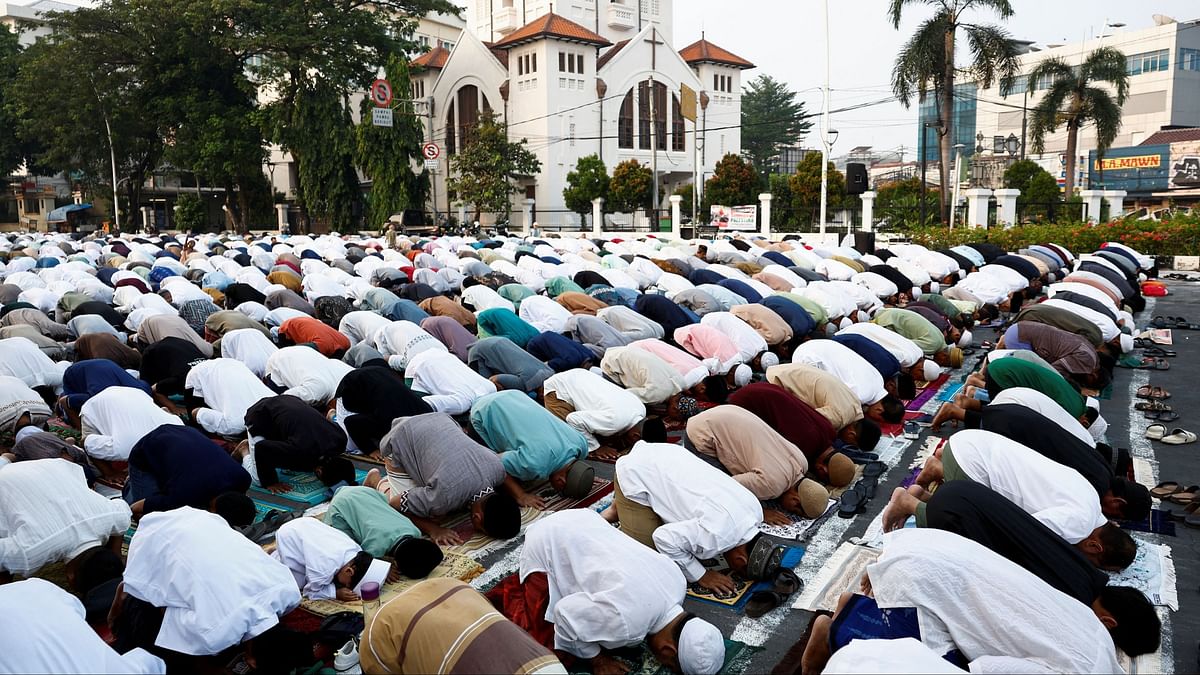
[
  {"x": 784, "y": 584},
  {"x": 1186, "y": 496},
  {"x": 1165, "y": 416},
  {"x": 1144, "y": 391},
  {"x": 1179, "y": 437},
  {"x": 1161, "y": 364},
  {"x": 1155, "y": 432},
  {"x": 1159, "y": 322},
  {"x": 1166, "y": 489},
  {"x": 873, "y": 469},
  {"x": 851, "y": 503},
  {"x": 1152, "y": 405}
]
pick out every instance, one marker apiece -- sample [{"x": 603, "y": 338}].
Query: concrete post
[
  {"x": 598, "y": 217},
  {"x": 147, "y": 226},
  {"x": 868, "y": 210},
  {"x": 1093, "y": 199},
  {"x": 462, "y": 215},
  {"x": 977, "y": 206},
  {"x": 847, "y": 220},
  {"x": 47, "y": 205},
  {"x": 676, "y": 216},
  {"x": 1116, "y": 202},
  {"x": 764, "y": 201},
  {"x": 281, "y": 218},
  {"x": 1006, "y": 207},
  {"x": 527, "y": 213}
]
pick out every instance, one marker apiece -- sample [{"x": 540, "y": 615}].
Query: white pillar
[
  {"x": 676, "y": 216},
  {"x": 1006, "y": 207},
  {"x": 764, "y": 201},
  {"x": 1093, "y": 199},
  {"x": 462, "y": 215},
  {"x": 146, "y": 218},
  {"x": 847, "y": 219},
  {"x": 527, "y": 211},
  {"x": 977, "y": 206},
  {"x": 597, "y": 216},
  {"x": 281, "y": 218},
  {"x": 1116, "y": 202},
  {"x": 868, "y": 210}
]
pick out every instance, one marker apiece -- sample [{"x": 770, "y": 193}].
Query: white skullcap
[
  {"x": 597, "y": 370},
  {"x": 1093, "y": 403},
  {"x": 935, "y": 287},
  {"x": 1126, "y": 343},
  {"x": 916, "y": 292},
  {"x": 932, "y": 370},
  {"x": 377, "y": 572},
  {"x": 769, "y": 359},
  {"x": 965, "y": 340},
  {"x": 845, "y": 323},
  {"x": 1098, "y": 428},
  {"x": 713, "y": 365},
  {"x": 701, "y": 648},
  {"x": 741, "y": 375},
  {"x": 25, "y": 432}
]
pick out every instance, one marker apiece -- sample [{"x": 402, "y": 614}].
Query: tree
[
  {"x": 1074, "y": 100},
  {"x": 631, "y": 187},
  {"x": 385, "y": 154},
  {"x": 191, "y": 215},
  {"x": 734, "y": 183},
  {"x": 899, "y": 203},
  {"x": 488, "y": 166},
  {"x": 782, "y": 211},
  {"x": 927, "y": 64},
  {"x": 687, "y": 194},
  {"x": 587, "y": 182},
  {"x": 805, "y": 186},
  {"x": 771, "y": 119},
  {"x": 1039, "y": 189},
  {"x": 13, "y": 152}
]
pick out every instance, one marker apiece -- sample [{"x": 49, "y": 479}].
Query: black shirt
[{"x": 190, "y": 469}]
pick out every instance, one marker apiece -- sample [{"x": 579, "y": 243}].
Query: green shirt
[
  {"x": 364, "y": 514},
  {"x": 815, "y": 310},
  {"x": 914, "y": 327},
  {"x": 944, "y": 304},
  {"x": 1009, "y": 373},
  {"x": 532, "y": 442}
]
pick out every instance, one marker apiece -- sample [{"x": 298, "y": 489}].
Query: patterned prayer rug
[
  {"x": 306, "y": 487},
  {"x": 842, "y": 572},
  {"x": 1152, "y": 572},
  {"x": 454, "y": 565},
  {"x": 745, "y": 587}
]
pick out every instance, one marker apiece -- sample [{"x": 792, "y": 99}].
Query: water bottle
[{"x": 345, "y": 662}]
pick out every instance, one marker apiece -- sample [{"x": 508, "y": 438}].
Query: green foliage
[
  {"x": 384, "y": 154},
  {"x": 488, "y": 166},
  {"x": 1038, "y": 188},
  {"x": 587, "y": 182},
  {"x": 12, "y": 150},
  {"x": 784, "y": 217},
  {"x": 805, "y": 185},
  {"x": 191, "y": 214},
  {"x": 771, "y": 119},
  {"x": 688, "y": 193},
  {"x": 630, "y": 188},
  {"x": 1180, "y": 235},
  {"x": 323, "y": 133},
  {"x": 734, "y": 183},
  {"x": 898, "y": 204}
]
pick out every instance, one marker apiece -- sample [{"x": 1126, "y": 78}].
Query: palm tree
[
  {"x": 1073, "y": 99},
  {"x": 926, "y": 63}
]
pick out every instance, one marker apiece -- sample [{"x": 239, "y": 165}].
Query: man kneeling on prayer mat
[
  {"x": 327, "y": 564},
  {"x": 533, "y": 444},
  {"x": 363, "y": 514},
  {"x": 741, "y": 444},
  {"x": 683, "y": 507},
  {"x": 978, "y": 610},
  {"x": 625, "y": 596},
  {"x": 609, "y": 416},
  {"x": 434, "y": 468},
  {"x": 445, "y": 626}
]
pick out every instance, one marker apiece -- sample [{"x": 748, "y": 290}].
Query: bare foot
[
  {"x": 816, "y": 653},
  {"x": 932, "y": 473},
  {"x": 373, "y": 478},
  {"x": 899, "y": 508},
  {"x": 610, "y": 514}
]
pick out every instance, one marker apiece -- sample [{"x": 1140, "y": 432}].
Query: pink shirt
[
  {"x": 709, "y": 343},
  {"x": 684, "y": 363}
]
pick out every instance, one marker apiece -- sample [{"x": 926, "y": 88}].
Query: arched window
[
  {"x": 625, "y": 123},
  {"x": 468, "y": 112},
  {"x": 660, "y": 114},
  {"x": 451, "y": 146},
  {"x": 678, "y": 137}
]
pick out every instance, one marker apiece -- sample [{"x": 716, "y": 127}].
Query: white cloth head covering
[
  {"x": 1098, "y": 428},
  {"x": 701, "y": 648},
  {"x": 932, "y": 370},
  {"x": 741, "y": 375},
  {"x": 1126, "y": 343},
  {"x": 769, "y": 359},
  {"x": 377, "y": 572},
  {"x": 965, "y": 339},
  {"x": 26, "y": 432}
]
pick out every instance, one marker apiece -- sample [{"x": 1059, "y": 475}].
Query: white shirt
[
  {"x": 1058, "y": 496},
  {"x": 1046, "y": 407},
  {"x": 630, "y": 324},
  {"x": 749, "y": 343},
  {"x": 879, "y": 285},
  {"x": 544, "y": 314},
  {"x": 839, "y": 360},
  {"x": 403, "y": 340},
  {"x": 314, "y": 552},
  {"x": 249, "y": 346},
  {"x": 1084, "y": 290},
  {"x": 49, "y": 514},
  {"x": 43, "y": 629},
  {"x": 907, "y": 352},
  {"x": 968, "y": 597},
  {"x": 835, "y": 303},
  {"x": 643, "y": 374},
  {"x": 22, "y": 359},
  {"x": 705, "y": 512},
  {"x": 601, "y": 407},
  {"x": 482, "y": 297},
  {"x": 218, "y": 587},
  {"x": 876, "y": 657},
  {"x": 229, "y": 389},
  {"x": 116, "y": 419},
  {"x": 606, "y": 591},
  {"x": 1007, "y": 276},
  {"x": 670, "y": 284},
  {"x": 361, "y": 325},
  {"x": 452, "y": 386},
  {"x": 989, "y": 288},
  {"x": 306, "y": 373}
]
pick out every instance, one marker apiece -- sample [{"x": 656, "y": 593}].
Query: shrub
[{"x": 1178, "y": 236}]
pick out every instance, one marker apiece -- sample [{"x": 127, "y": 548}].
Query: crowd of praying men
[{"x": 159, "y": 381}]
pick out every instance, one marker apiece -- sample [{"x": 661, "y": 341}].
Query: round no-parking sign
[
  {"x": 381, "y": 93},
  {"x": 431, "y": 151}
]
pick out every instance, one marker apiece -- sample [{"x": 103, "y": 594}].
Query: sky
[{"x": 785, "y": 39}]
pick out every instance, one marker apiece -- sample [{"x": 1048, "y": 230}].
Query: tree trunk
[
  {"x": 1072, "y": 143},
  {"x": 946, "y": 130}
]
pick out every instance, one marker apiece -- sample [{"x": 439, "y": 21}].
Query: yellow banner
[
  {"x": 687, "y": 103},
  {"x": 1137, "y": 162}
]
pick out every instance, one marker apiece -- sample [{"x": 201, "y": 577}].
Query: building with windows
[
  {"x": 27, "y": 20},
  {"x": 592, "y": 77}
]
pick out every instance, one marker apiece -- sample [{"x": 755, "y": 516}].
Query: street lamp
[{"x": 830, "y": 137}]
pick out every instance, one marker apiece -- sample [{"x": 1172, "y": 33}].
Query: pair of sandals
[
  {"x": 1188, "y": 497},
  {"x": 784, "y": 584},
  {"x": 1153, "y": 393},
  {"x": 1158, "y": 432},
  {"x": 1174, "y": 322},
  {"x": 1159, "y": 352},
  {"x": 854, "y": 500},
  {"x": 1151, "y": 362}
]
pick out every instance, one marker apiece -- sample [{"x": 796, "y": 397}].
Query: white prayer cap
[
  {"x": 25, "y": 432},
  {"x": 1093, "y": 403},
  {"x": 713, "y": 365},
  {"x": 769, "y": 359},
  {"x": 1098, "y": 428},
  {"x": 965, "y": 340},
  {"x": 741, "y": 375},
  {"x": 701, "y": 648},
  {"x": 935, "y": 287},
  {"x": 1126, "y": 343},
  {"x": 845, "y": 323},
  {"x": 932, "y": 370},
  {"x": 377, "y": 572},
  {"x": 916, "y": 291},
  {"x": 596, "y": 370}
]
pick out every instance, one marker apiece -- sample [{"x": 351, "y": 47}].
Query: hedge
[{"x": 1178, "y": 236}]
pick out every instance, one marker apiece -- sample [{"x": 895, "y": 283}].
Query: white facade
[
  {"x": 615, "y": 20},
  {"x": 27, "y": 19}
]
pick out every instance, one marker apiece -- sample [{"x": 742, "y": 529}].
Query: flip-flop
[
  {"x": 1179, "y": 437},
  {"x": 873, "y": 469},
  {"x": 1155, "y": 432},
  {"x": 867, "y": 485},
  {"x": 1158, "y": 393},
  {"x": 1144, "y": 391},
  {"x": 1154, "y": 406},
  {"x": 1159, "y": 322},
  {"x": 1166, "y": 489},
  {"x": 1185, "y": 496},
  {"x": 1159, "y": 351},
  {"x": 1164, "y": 416},
  {"x": 851, "y": 503}
]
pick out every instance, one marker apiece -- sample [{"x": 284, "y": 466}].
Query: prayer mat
[
  {"x": 453, "y": 566},
  {"x": 911, "y": 479},
  {"x": 307, "y": 489},
  {"x": 745, "y": 587},
  {"x": 1152, "y": 572},
  {"x": 801, "y": 528},
  {"x": 641, "y": 660},
  {"x": 1157, "y": 522},
  {"x": 927, "y": 392},
  {"x": 1146, "y": 663},
  {"x": 949, "y": 392},
  {"x": 842, "y": 572}
]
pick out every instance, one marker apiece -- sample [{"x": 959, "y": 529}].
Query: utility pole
[
  {"x": 825, "y": 125},
  {"x": 1024, "y": 117},
  {"x": 654, "y": 153}
]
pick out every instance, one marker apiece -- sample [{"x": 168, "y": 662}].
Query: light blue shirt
[{"x": 532, "y": 442}]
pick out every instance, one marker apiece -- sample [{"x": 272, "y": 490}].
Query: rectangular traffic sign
[{"x": 381, "y": 117}]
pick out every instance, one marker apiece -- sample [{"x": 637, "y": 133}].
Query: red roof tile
[
  {"x": 551, "y": 26},
  {"x": 435, "y": 58},
  {"x": 703, "y": 51},
  {"x": 608, "y": 55},
  {"x": 1173, "y": 136}
]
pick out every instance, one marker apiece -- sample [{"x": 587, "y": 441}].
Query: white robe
[
  {"x": 229, "y": 388},
  {"x": 1058, "y": 496},
  {"x": 361, "y": 325},
  {"x": 22, "y": 359},
  {"x": 749, "y": 343},
  {"x": 841, "y": 361},
  {"x": 306, "y": 373},
  {"x": 895, "y": 657},
  {"x": 218, "y": 587},
  {"x": 315, "y": 553},
  {"x": 601, "y": 407},
  {"x": 600, "y": 601},
  {"x": 1046, "y": 407},
  {"x": 249, "y": 346},
  {"x": 116, "y": 419},
  {"x": 630, "y": 324},
  {"x": 452, "y": 386},
  {"x": 907, "y": 352},
  {"x": 544, "y": 314},
  {"x": 43, "y": 629},
  {"x": 968, "y": 597},
  {"x": 705, "y": 512}
]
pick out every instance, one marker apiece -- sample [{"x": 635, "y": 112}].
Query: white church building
[{"x": 578, "y": 79}]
